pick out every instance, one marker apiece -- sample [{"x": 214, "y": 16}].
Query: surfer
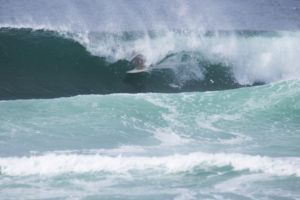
[{"x": 140, "y": 60}]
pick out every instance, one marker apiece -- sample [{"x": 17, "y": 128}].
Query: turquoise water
[
  {"x": 232, "y": 144},
  {"x": 216, "y": 117}
]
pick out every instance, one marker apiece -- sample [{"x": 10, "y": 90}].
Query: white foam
[
  {"x": 61, "y": 28},
  {"x": 252, "y": 59},
  {"x": 207, "y": 122},
  {"x": 169, "y": 137},
  {"x": 56, "y": 164}
]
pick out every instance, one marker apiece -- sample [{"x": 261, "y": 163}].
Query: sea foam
[{"x": 74, "y": 163}]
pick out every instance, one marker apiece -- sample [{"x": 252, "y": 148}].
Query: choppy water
[{"x": 217, "y": 117}]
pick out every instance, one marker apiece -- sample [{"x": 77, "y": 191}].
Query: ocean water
[{"x": 216, "y": 117}]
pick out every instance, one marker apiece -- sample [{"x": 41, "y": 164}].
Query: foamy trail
[{"x": 52, "y": 164}]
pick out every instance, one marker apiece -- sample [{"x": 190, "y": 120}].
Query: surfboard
[{"x": 146, "y": 69}]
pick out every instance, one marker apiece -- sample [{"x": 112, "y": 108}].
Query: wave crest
[
  {"x": 57, "y": 164},
  {"x": 41, "y": 63}
]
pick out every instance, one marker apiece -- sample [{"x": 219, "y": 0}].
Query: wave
[
  {"x": 57, "y": 164},
  {"x": 241, "y": 120},
  {"x": 43, "y": 63}
]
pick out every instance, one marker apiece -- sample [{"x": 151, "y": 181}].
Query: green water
[{"x": 233, "y": 144}]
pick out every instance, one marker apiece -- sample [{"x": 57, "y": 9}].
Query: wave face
[
  {"x": 44, "y": 64},
  {"x": 205, "y": 144},
  {"x": 216, "y": 116}
]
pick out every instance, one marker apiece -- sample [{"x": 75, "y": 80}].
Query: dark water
[{"x": 43, "y": 64}]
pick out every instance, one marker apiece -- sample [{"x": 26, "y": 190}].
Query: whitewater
[{"x": 216, "y": 117}]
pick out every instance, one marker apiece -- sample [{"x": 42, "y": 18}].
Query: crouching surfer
[{"x": 140, "y": 61}]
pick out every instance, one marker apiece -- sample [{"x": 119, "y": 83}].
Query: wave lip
[
  {"x": 73, "y": 163},
  {"x": 49, "y": 64}
]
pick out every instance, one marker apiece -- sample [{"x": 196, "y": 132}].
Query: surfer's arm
[
  {"x": 132, "y": 60},
  {"x": 139, "y": 60}
]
